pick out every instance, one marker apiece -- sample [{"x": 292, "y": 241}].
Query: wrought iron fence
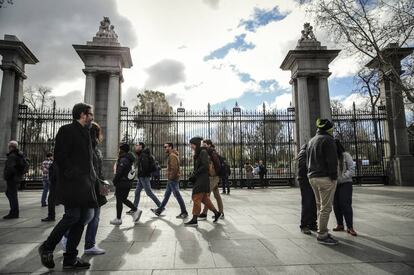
[{"x": 240, "y": 136}]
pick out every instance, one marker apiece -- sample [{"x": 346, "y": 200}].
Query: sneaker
[
  {"x": 63, "y": 243},
  {"x": 202, "y": 217},
  {"x": 305, "y": 230},
  {"x": 137, "y": 215},
  {"x": 156, "y": 211},
  {"x": 46, "y": 257},
  {"x": 221, "y": 217},
  {"x": 352, "y": 232},
  {"x": 313, "y": 228},
  {"x": 182, "y": 216},
  {"x": 116, "y": 221},
  {"x": 78, "y": 264},
  {"x": 44, "y": 205},
  {"x": 217, "y": 216},
  {"x": 339, "y": 228},
  {"x": 192, "y": 223},
  {"x": 327, "y": 240},
  {"x": 95, "y": 250},
  {"x": 48, "y": 219},
  {"x": 130, "y": 212}
]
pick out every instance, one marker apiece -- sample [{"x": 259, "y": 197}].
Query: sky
[{"x": 195, "y": 51}]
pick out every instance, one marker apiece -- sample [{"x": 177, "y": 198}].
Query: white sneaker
[
  {"x": 116, "y": 221},
  {"x": 95, "y": 250},
  {"x": 63, "y": 243},
  {"x": 137, "y": 215}
]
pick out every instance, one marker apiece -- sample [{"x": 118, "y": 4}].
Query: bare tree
[
  {"x": 3, "y": 3},
  {"x": 38, "y": 98},
  {"x": 368, "y": 84},
  {"x": 366, "y": 27}
]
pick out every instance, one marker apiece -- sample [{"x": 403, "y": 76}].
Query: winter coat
[
  {"x": 173, "y": 166},
  {"x": 12, "y": 168},
  {"x": 200, "y": 177},
  {"x": 144, "y": 163},
  {"x": 74, "y": 159},
  {"x": 322, "y": 159},
  {"x": 302, "y": 168},
  {"x": 348, "y": 168},
  {"x": 123, "y": 167},
  {"x": 97, "y": 164}
]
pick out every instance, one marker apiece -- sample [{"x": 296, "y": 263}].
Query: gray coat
[{"x": 348, "y": 169}]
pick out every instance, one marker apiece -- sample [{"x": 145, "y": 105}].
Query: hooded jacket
[
  {"x": 347, "y": 171},
  {"x": 144, "y": 163},
  {"x": 322, "y": 159},
  {"x": 123, "y": 167},
  {"x": 173, "y": 166}
]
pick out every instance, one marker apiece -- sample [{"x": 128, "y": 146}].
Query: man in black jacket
[
  {"x": 75, "y": 188},
  {"x": 13, "y": 172},
  {"x": 308, "y": 213},
  {"x": 146, "y": 165},
  {"x": 322, "y": 162}
]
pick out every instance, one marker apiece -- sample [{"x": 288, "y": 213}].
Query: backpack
[
  {"x": 152, "y": 166},
  {"x": 24, "y": 164}
]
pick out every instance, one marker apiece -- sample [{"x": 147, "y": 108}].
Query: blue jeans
[
  {"x": 92, "y": 229},
  {"x": 71, "y": 224},
  {"x": 45, "y": 190},
  {"x": 145, "y": 183},
  {"x": 172, "y": 187}
]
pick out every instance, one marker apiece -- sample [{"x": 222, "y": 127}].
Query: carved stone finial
[
  {"x": 106, "y": 34},
  {"x": 307, "y": 33}
]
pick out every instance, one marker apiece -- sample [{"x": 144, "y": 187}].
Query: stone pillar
[
  {"x": 304, "y": 124},
  {"x": 324, "y": 100},
  {"x": 90, "y": 90},
  {"x": 8, "y": 88},
  {"x": 112, "y": 132},
  {"x": 401, "y": 170}
]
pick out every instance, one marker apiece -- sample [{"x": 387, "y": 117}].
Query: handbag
[{"x": 103, "y": 187}]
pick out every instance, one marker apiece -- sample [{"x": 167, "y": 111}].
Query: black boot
[{"x": 192, "y": 222}]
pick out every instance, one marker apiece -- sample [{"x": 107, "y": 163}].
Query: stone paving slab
[{"x": 259, "y": 235}]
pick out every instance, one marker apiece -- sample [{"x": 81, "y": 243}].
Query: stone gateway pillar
[
  {"x": 309, "y": 66},
  {"x": 397, "y": 150},
  {"x": 104, "y": 60},
  {"x": 15, "y": 56}
]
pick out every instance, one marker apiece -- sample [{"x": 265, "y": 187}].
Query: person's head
[
  {"x": 13, "y": 145},
  {"x": 208, "y": 143},
  {"x": 123, "y": 149},
  {"x": 168, "y": 147},
  {"x": 49, "y": 155},
  {"x": 195, "y": 143},
  {"x": 82, "y": 113},
  {"x": 96, "y": 133},
  {"x": 139, "y": 147},
  {"x": 260, "y": 161},
  {"x": 340, "y": 149},
  {"x": 325, "y": 125}
]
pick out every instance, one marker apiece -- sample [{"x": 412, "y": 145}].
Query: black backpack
[
  {"x": 152, "y": 165},
  {"x": 224, "y": 167},
  {"x": 23, "y": 166}
]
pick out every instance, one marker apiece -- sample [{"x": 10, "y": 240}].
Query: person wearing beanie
[
  {"x": 322, "y": 167},
  {"x": 123, "y": 184},
  {"x": 201, "y": 182}
]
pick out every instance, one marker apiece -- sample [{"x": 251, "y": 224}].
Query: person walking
[
  {"x": 200, "y": 180},
  {"x": 51, "y": 199},
  {"x": 123, "y": 184},
  {"x": 225, "y": 177},
  {"x": 173, "y": 176},
  {"x": 308, "y": 214},
  {"x": 262, "y": 173},
  {"x": 13, "y": 173},
  {"x": 322, "y": 163},
  {"x": 45, "y": 177},
  {"x": 75, "y": 188},
  {"x": 249, "y": 175},
  {"x": 156, "y": 175},
  {"x": 214, "y": 169},
  {"x": 343, "y": 194},
  {"x": 146, "y": 165}
]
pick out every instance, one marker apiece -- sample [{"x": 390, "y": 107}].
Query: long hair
[
  {"x": 96, "y": 133},
  {"x": 209, "y": 142},
  {"x": 340, "y": 150}
]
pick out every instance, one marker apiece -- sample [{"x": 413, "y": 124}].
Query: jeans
[
  {"x": 51, "y": 201},
  {"x": 215, "y": 190},
  {"x": 92, "y": 229},
  {"x": 121, "y": 195},
  {"x": 172, "y": 187},
  {"x": 11, "y": 194},
  {"x": 225, "y": 184},
  {"x": 45, "y": 190},
  {"x": 72, "y": 224},
  {"x": 343, "y": 204},
  {"x": 308, "y": 214},
  {"x": 145, "y": 183},
  {"x": 324, "y": 189}
]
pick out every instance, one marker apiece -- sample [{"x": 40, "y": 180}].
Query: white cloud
[{"x": 282, "y": 102}]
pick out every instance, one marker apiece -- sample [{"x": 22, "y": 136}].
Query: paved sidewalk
[{"x": 260, "y": 235}]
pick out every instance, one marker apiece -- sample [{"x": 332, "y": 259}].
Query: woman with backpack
[{"x": 343, "y": 194}]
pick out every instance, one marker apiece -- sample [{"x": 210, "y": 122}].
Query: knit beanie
[
  {"x": 124, "y": 147},
  {"x": 324, "y": 124},
  {"x": 196, "y": 141}
]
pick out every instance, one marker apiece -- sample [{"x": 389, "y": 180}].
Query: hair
[
  {"x": 209, "y": 142},
  {"x": 142, "y": 144},
  {"x": 49, "y": 154},
  {"x": 170, "y": 145},
  {"x": 80, "y": 108},
  {"x": 14, "y": 144},
  {"x": 340, "y": 152},
  {"x": 96, "y": 132}
]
